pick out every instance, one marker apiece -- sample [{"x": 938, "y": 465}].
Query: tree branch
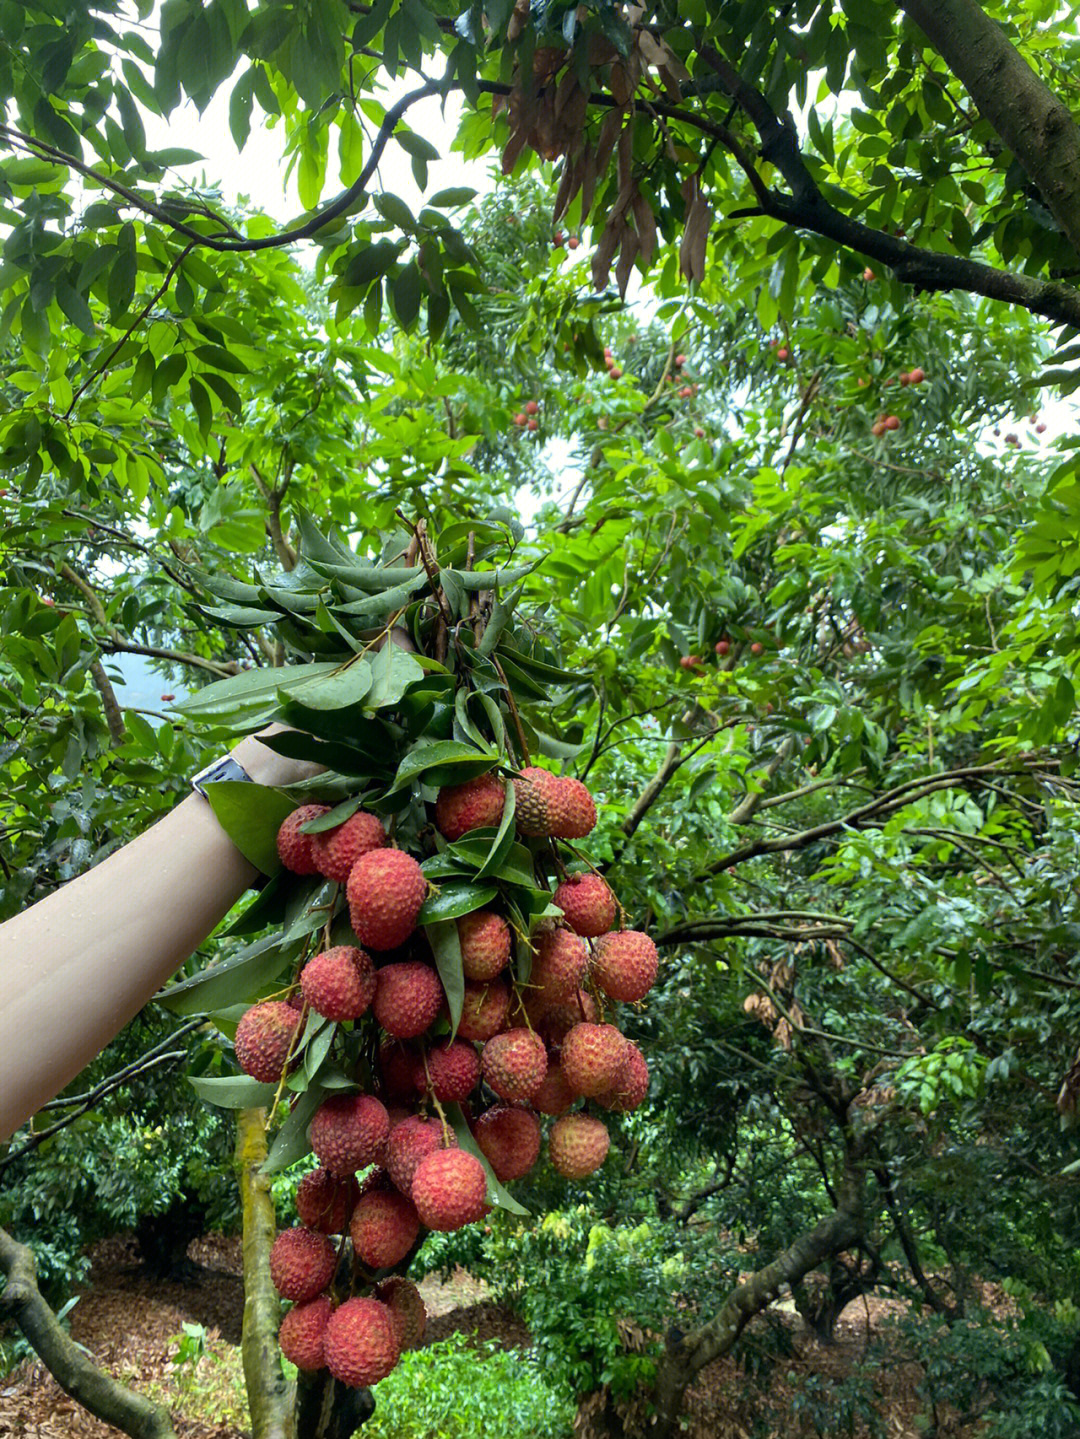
[
  {"x": 116, "y": 645},
  {"x": 109, "y": 703}
]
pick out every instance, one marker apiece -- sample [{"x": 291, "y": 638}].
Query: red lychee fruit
[
  {"x": 411, "y": 1141},
  {"x": 303, "y": 1332},
  {"x": 454, "y": 1070},
  {"x": 449, "y": 1189},
  {"x": 167, "y": 699},
  {"x": 514, "y": 1064},
  {"x": 510, "y": 1140},
  {"x": 406, "y": 1306},
  {"x": 630, "y": 1089},
  {"x": 325, "y": 1202},
  {"x": 339, "y": 984},
  {"x": 573, "y": 242},
  {"x": 557, "y": 1020},
  {"x": 335, "y": 851},
  {"x": 348, "y": 1132},
  {"x": 386, "y": 889},
  {"x": 554, "y": 1096},
  {"x": 571, "y": 810},
  {"x": 472, "y": 805},
  {"x": 521, "y": 419},
  {"x": 263, "y": 1037},
  {"x": 485, "y": 944},
  {"x": 383, "y": 1228},
  {"x": 578, "y": 1145},
  {"x": 782, "y": 353},
  {"x": 559, "y": 965},
  {"x": 892, "y": 422},
  {"x": 625, "y": 964},
  {"x": 361, "y": 1343},
  {"x": 294, "y": 849},
  {"x": 757, "y": 648},
  {"x": 408, "y": 998},
  {"x": 397, "y": 1065},
  {"x": 592, "y": 1057},
  {"x": 533, "y": 424},
  {"x": 302, "y": 1264},
  {"x": 533, "y": 791},
  {"x": 722, "y": 646},
  {"x": 917, "y": 375},
  {"x": 532, "y": 407},
  {"x": 615, "y": 372},
  {"x": 484, "y": 1009},
  {"x": 588, "y": 904}
]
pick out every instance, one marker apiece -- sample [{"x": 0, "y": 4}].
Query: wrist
[{"x": 266, "y": 767}]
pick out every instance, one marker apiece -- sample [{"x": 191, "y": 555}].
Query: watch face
[{"x": 224, "y": 768}]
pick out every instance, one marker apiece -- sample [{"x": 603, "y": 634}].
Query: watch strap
[{"x": 224, "y": 768}]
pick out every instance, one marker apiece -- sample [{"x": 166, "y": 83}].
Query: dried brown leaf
[
  {"x": 514, "y": 147},
  {"x": 645, "y": 224},
  {"x": 605, "y": 251},
  {"x": 628, "y": 253},
  {"x": 605, "y": 144},
  {"x": 518, "y": 20},
  {"x": 568, "y": 187}
]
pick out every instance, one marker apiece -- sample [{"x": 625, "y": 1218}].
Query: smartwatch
[{"x": 224, "y": 768}]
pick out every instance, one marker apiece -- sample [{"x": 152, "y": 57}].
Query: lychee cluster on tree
[{"x": 447, "y": 980}]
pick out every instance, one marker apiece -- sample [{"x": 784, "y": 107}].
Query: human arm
[{"x": 79, "y": 964}]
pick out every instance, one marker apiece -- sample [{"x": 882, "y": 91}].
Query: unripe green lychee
[
  {"x": 588, "y": 904},
  {"x": 408, "y": 998},
  {"x": 533, "y": 791},
  {"x": 411, "y": 1141},
  {"x": 578, "y": 1145},
  {"x": 514, "y": 1064},
  {"x": 624, "y": 964},
  {"x": 302, "y": 1264},
  {"x": 383, "y": 1228},
  {"x": 339, "y": 984},
  {"x": 361, "y": 1344},
  {"x": 449, "y": 1189},
  {"x": 510, "y": 1140},
  {"x": 325, "y": 1201},
  {"x": 592, "y": 1058},
  {"x": 303, "y": 1332},
  {"x": 559, "y": 965},
  {"x": 484, "y": 1009},
  {"x": 335, "y": 851},
  {"x": 294, "y": 849},
  {"x": 454, "y": 1071},
  {"x": 263, "y": 1038},
  {"x": 632, "y": 1085},
  {"x": 406, "y": 1306},
  {"x": 571, "y": 809},
  {"x": 386, "y": 889},
  {"x": 485, "y": 944},
  {"x": 349, "y": 1132},
  {"x": 473, "y": 805}
]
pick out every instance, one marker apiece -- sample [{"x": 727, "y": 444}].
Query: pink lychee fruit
[
  {"x": 510, "y": 1140},
  {"x": 472, "y": 805},
  {"x": 406, "y": 1306},
  {"x": 386, "y": 889},
  {"x": 325, "y": 1201},
  {"x": 383, "y": 1228},
  {"x": 263, "y": 1038},
  {"x": 625, "y": 964},
  {"x": 335, "y": 851},
  {"x": 349, "y": 1132},
  {"x": 588, "y": 904},
  {"x": 485, "y": 944},
  {"x": 514, "y": 1064},
  {"x": 592, "y": 1057},
  {"x": 408, "y": 998},
  {"x": 361, "y": 1343},
  {"x": 302, "y": 1264},
  {"x": 339, "y": 984},
  {"x": 303, "y": 1332},
  {"x": 578, "y": 1145},
  {"x": 295, "y": 849},
  {"x": 449, "y": 1189}
]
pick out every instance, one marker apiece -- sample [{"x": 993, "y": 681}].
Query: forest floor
[{"x": 133, "y": 1325}]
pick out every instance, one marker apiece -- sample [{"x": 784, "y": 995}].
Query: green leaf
[
  {"x": 251, "y": 815},
  {"x": 233, "y": 1091},
  {"x": 291, "y": 1143},
  {"x": 504, "y": 837},
  {"x": 229, "y": 982},
  {"x": 452, "y": 198},
  {"x": 454, "y": 900},
  {"x": 446, "y": 947},
  {"x": 464, "y": 760},
  {"x": 340, "y": 689},
  {"x": 121, "y": 286},
  {"x": 252, "y": 690},
  {"x": 393, "y": 670}
]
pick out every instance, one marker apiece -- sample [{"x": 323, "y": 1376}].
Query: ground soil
[{"x": 130, "y": 1325}]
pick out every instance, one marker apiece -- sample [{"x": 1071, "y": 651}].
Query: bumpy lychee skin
[
  {"x": 578, "y": 1145},
  {"x": 554, "y": 1096},
  {"x": 383, "y": 1228},
  {"x": 335, "y": 851},
  {"x": 385, "y": 890},
  {"x": 303, "y": 1331},
  {"x": 449, "y": 1189},
  {"x": 588, "y": 904},
  {"x": 485, "y": 944},
  {"x": 302, "y": 1264},
  {"x": 484, "y": 1010},
  {"x": 453, "y": 1069},
  {"x": 339, "y": 984},
  {"x": 361, "y": 1344},
  {"x": 571, "y": 809},
  {"x": 472, "y": 805},
  {"x": 397, "y": 1065},
  {"x": 408, "y": 998},
  {"x": 625, "y": 964},
  {"x": 559, "y": 965},
  {"x": 263, "y": 1037},
  {"x": 592, "y": 1057},
  {"x": 557, "y": 1020},
  {"x": 533, "y": 791},
  {"x": 510, "y": 1140},
  {"x": 632, "y": 1085},
  {"x": 403, "y": 1299},
  {"x": 295, "y": 850},
  {"x": 411, "y": 1141},
  {"x": 325, "y": 1201},
  {"x": 349, "y": 1132},
  {"x": 514, "y": 1064}
]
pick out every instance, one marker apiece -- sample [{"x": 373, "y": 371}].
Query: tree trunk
[
  {"x": 327, "y": 1409},
  {"x": 269, "y": 1396}
]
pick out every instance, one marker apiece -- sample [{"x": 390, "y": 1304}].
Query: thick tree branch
[
  {"x": 109, "y": 703},
  {"x": 116, "y": 645},
  {"x": 65, "y": 1360}
]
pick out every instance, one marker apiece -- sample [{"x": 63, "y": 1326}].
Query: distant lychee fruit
[
  {"x": 295, "y": 849},
  {"x": 533, "y": 790},
  {"x": 588, "y": 904},
  {"x": 514, "y": 1064},
  {"x": 532, "y": 407},
  {"x": 632, "y": 1085},
  {"x": 408, "y": 998},
  {"x": 386, "y": 889},
  {"x": 868, "y": 274},
  {"x": 578, "y": 1145},
  {"x": 472, "y": 805},
  {"x": 263, "y": 1038},
  {"x": 406, "y": 1306},
  {"x": 892, "y": 422},
  {"x": 554, "y": 1096},
  {"x": 303, "y": 1332},
  {"x": 167, "y": 699},
  {"x": 339, "y": 984},
  {"x": 917, "y": 375},
  {"x": 533, "y": 424},
  {"x": 411, "y": 1141},
  {"x": 625, "y": 964},
  {"x": 454, "y": 1070},
  {"x": 559, "y": 966},
  {"x": 573, "y": 242},
  {"x": 521, "y": 419},
  {"x": 325, "y": 1201},
  {"x": 783, "y": 353},
  {"x": 510, "y": 1140},
  {"x": 335, "y": 851},
  {"x": 485, "y": 944},
  {"x": 757, "y": 648},
  {"x": 361, "y": 1343},
  {"x": 592, "y": 1057},
  {"x": 383, "y": 1228},
  {"x": 484, "y": 1010},
  {"x": 615, "y": 372},
  {"x": 397, "y": 1065},
  {"x": 722, "y": 647},
  {"x": 571, "y": 810},
  {"x": 348, "y": 1132},
  {"x": 302, "y": 1264},
  {"x": 449, "y": 1189}
]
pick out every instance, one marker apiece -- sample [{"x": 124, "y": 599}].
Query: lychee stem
[
  {"x": 435, "y": 1099},
  {"x": 297, "y": 1032}
]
